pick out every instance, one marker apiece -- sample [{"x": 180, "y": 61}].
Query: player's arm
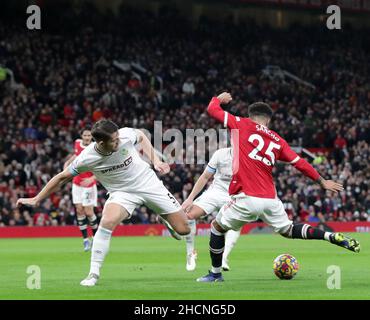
[
  {"x": 52, "y": 186},
  {"x": 207, "y": 174},
  {"x": 69, "y": 161},
  {"x": 149, "y": 151},
  {"x": 288, "y": 155},
  {"x": 215, "y": 111}
]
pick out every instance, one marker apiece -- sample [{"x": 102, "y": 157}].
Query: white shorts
[
  {"x": 85, "y": 196},
  {"x": 243, "y": 209},
  {"x": 154, "y": 195},
  {"x": 212, "y": 200}
]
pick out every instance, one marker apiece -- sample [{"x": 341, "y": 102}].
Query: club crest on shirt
[{"x": 124, "y": 152}]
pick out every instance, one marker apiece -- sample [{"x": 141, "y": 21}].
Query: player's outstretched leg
[
  {"x": 216, "y": 248},
  {"x": 172, "y": 232},
  {"x": 231, "y": 238},
  {"x": 191, "y": 254},
  {"x": 305, "y": 231},
  {"x": 344, "y": 241},
  {"x": 113, "y": 214}
]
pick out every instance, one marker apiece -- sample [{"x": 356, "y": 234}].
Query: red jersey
[
  {"x": 78, "y": 179},
  {"x": 255, "y": 151}
]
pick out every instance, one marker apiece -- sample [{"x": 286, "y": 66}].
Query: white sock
[
  {"x": 327, "y": 236},
  {"x": 231, "y": 238},
  {"x": 216, "y": 270},
  {"x": 99, "y": 249},
  {"x": 190, "y": 238}
]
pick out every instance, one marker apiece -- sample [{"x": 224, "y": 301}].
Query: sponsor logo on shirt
[{"x": 125, "y": 164}]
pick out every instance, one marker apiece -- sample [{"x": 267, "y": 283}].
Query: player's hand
[
  {"x": 32, "y": 202},
  {"x": 331, "y": 185},
  {"x": 187, "y": 204},
  {"x": 224, "y": 97},
  {"x": 162, "y": 167}
]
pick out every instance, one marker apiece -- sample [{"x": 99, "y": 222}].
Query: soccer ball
[{"x": 285, "y": 266}]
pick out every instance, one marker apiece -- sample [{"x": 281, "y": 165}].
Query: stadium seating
[{"x": 167, "y": 69}]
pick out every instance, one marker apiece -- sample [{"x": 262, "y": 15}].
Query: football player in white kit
[
  {"x": 210, "y": 202},
  {"x": 129, "y": 180}
]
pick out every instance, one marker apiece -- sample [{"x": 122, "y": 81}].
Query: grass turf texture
[{"x": 154, "y": 268}]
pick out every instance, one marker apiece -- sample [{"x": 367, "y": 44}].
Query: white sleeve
[
  {"x": 212, "y": 164},
  {"x": 128, "y": 133},
  {"x": 79, "y": 165}
]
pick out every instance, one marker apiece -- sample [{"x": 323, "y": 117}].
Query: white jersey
[
  {"x": 122, "y": 170},
  {"x": 221, "y": 165}
]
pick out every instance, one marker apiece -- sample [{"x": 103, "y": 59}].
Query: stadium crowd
[{"x": 65, "y": 79}]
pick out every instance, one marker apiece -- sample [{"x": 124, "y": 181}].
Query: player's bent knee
[
  {"x": 217, "y": 227},
  {"x": 195, "y": 213},
  {"x": 183, "y": 230},
  {"x": 109, "y": 222},
  {"x": 286, "y": 231},
  {"x": 106, "y": 224},
  {"x": 191, "y": 215}
]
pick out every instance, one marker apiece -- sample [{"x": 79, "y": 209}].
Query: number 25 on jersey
[{"x": 255, "y": 153}]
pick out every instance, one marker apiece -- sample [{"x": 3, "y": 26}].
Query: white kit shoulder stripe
[
  {"x": 225, "y": 119},
  {"x": 295, "y": 160}
]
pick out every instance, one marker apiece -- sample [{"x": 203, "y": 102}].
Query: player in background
[
  {"x": 84, "y": 191},
  {"x": 211, "y": 201},
  {"x": 252, "y": 190},
  {"x": 129, "y": 180}
]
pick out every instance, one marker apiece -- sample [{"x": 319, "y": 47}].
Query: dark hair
[
  {"x": 85, "y": 128},
  {"x": 260, "y": 109},
  {"x": 103, "y": 129}
]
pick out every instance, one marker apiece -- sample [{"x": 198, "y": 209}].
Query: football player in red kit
[
  {"x": 253, "y": 195},
  {"x": 84, "y": 191}
]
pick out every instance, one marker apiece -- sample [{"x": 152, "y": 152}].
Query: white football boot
[{"x": 90, "y": 280}]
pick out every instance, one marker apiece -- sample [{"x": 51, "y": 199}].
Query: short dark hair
[
  {"x": 261, "y": 109},
  {"x": 85, "y": 128},
  {"x": 103, "y": 129}
]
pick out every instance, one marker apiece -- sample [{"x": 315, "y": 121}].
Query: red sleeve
[
  {"x": 215, "y": 111},
  {"x": 288, "y": 155}
]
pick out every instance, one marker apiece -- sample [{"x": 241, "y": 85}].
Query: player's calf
[
  {"x": 178, "y": 222},
  {"x": 82, "y": 224},
  {"x": 304, "y": 231},
  {"x": 91, "y": 217},
  {"x": 216, "y": 246}
]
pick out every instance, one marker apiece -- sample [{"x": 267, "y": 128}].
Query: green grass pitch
[{"x": 154, "y": 268}]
